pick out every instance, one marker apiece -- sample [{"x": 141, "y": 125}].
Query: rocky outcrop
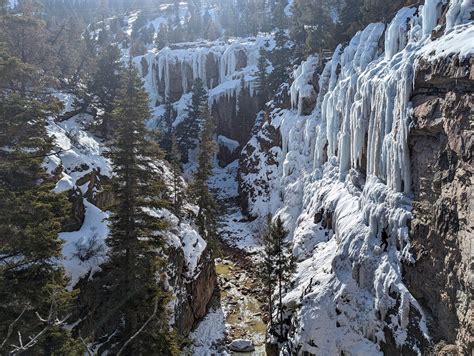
[
  {"x": 441, "y": 146},
  {"x": 192, "y": 296},
  {"x": 75, "y": 218},
  {"x": 224, "y": 110},
  {"x": 257, "y": 164},
  {"x": 97, "y": 189}
]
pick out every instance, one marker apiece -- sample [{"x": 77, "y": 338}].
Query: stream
[{"x": 236, "y": 310}]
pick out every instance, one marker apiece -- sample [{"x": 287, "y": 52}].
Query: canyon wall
[{"x": 372, "y": 178}]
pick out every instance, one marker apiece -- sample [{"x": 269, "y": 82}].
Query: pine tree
[
  {"x": 245, "y": 111},
  {"x": 103, "y": 87},
  {"x": 262, "y": 79},
  {"x": 278, "y": 16},
  {"x": 31, "y": 282},
  {"x": 176, "y": 18},
  {"x": 175, "y": 162},
  {"x": 163, "y": 37},
  {"x": 195, "y": 22},
  {"x": 278, "y": 266},
  {"x": 349, "y": 20},
  {"x": 187, "y": 131},
  {"x": 167, "y": 130},
  {"x": 266, "y": 267},
  {"x": 3, "y": 6},
  {"x": 130, "y": 287},
  {"x": 280, "y": 58},
  {"x": 206, "y": 216},
  {"x": 285, "y": 263},
  {"x": 25, "y": 39},
  {"x": 312, "y": 27}
]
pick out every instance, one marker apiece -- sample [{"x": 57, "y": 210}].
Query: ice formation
[
  {"x": 343, "y": 184},
  {"x": 220, "y": 65},
  {"x": 300, "y": 88},
  {"x": 228, "y": 143}
]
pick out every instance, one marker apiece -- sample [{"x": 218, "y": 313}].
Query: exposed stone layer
[{"x": 441, "y": 147}]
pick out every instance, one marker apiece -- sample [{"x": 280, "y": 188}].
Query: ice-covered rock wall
[
  {"x": 342, "y": 183},
  {"x": 170, "y": 72},
  {"x": 221, "y": 65}
]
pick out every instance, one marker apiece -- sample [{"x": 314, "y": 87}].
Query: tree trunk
[{"x": 281, "y": 304}]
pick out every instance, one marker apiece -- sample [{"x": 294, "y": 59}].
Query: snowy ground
[
  {"x": 235, "y": 229},
  {"x": 209, "y": 334}
]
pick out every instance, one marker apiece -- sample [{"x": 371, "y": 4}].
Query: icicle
[
  {"x": 396, "y": 34},
  {"x": 430, "y": 14},
  {"x": 459, "y": 12}
]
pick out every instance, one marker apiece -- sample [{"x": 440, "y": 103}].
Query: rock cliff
[
  {"x": 371, "y": 170},
  {"x": 441, "y": 154}
]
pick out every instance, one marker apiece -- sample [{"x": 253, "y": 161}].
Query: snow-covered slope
[
  {"x": 81, "y": 167},
  {"x": 342, "y": 184}
]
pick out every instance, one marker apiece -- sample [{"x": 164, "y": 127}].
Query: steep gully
[{"x": 236, "y": 311}]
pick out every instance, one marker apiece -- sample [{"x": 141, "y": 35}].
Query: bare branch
[
  {"x": 89, "y": 351},
  {"x": 155, "y": 309},
  {"x": 10, "y": 327}
]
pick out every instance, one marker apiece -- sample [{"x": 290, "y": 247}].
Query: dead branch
[{"x": 155, "y": 309}]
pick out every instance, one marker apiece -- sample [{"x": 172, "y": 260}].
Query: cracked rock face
[
  {"x": 441, "y": 148},
  {"x": 192, "y": 295}
]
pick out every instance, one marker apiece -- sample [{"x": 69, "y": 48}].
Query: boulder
[{"x": 242, "y": 345}]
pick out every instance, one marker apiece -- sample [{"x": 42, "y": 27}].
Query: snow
[
  {"x": 300, "y": 88},
  {"x": 234, "y": 228},
  {"x": 228, "y": 143},
  {"x": 64, "y": 184},
  {"x": 193, "y": 246},
  {"x": 94, "y": 226},
  {"x": 342, "y": 184},
  {"x": 288, "y": 11},
  {"x": 458, "y": 41},
  {"x": 80, "y": 152},
  {"x": 209, "y": 333}
]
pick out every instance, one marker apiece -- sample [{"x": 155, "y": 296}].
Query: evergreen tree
[
  {"x": 34, "y": 301},
  {"x": 376, "y": 10},
  {"x": 278, "y": 266},
  {"x": 312, "y": 27},
  {"x": 262, "y": 79},
  {"x": 175, "y": 162},
  {"x": 349, "y": 21},
  {"x": 167, "y": 130},
  {"x": 266, "y": 266},
  {"x": 177, "y": 18},
  {"x": 187, "y": 131},
  {"x": 206, "y": 217},
  {"x": 26, "y": 41},
  {"x": 104, "y": 86},
  {"x": 285, "y": 263},
  {"x": 130, "y": 288},
  {"x": 3, "y": 6},
  {"x": 280, "y": 58},
  {"x": 246, "y": 111},
  {"x": 194, "y": 25},
  {"x": 163, "y": 37},
  {"x": 278, "y": 16}
]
